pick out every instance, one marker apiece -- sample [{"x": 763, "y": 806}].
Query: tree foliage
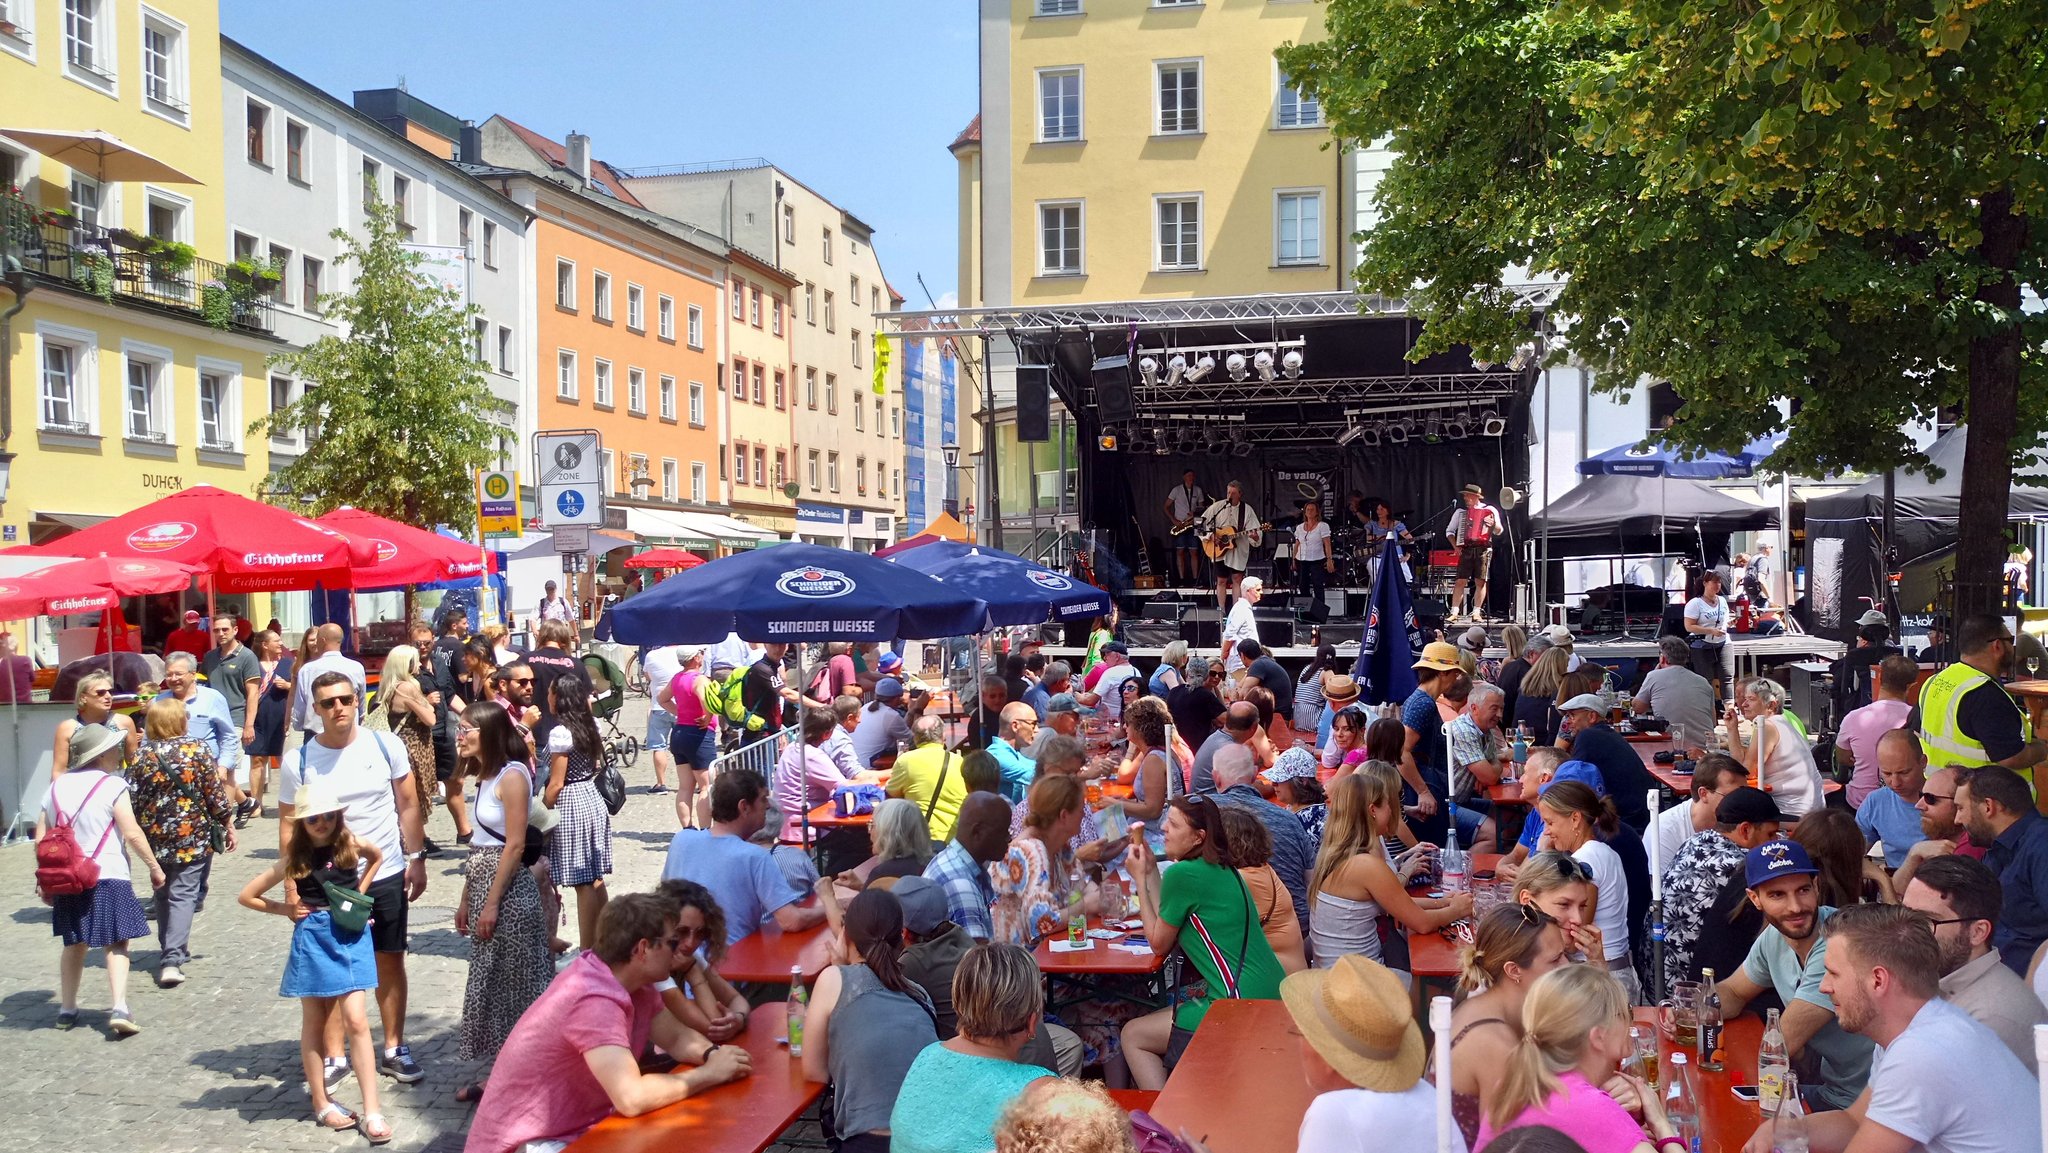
[
  {"x": 1821, "y": 203},
  {"x": 397, "y": 410}
]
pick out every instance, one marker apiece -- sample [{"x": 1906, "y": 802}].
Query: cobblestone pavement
[{"x": 216, "y": 1066}]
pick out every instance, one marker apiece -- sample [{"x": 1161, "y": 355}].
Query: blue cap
[
  {"x": 888, "y": 688},
  {"x": 1584, "y": 772},
  {"x": 1777, "y": 859}
]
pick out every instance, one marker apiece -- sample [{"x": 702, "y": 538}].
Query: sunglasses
[
  {"x": 330, "y": 816},
  {"x": 101, "y": 693},
  {"x": 519, "y": 681},
  {"x": 336, "y": 702},
  {"x": 1571, "y": 867},
  {"x": 1931, "y": 795}
]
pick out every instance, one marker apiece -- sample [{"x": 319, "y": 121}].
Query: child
[{"x": 327, "y": 963}]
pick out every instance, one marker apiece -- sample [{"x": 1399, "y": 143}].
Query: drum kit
[{"x": 1358, "y": 557}]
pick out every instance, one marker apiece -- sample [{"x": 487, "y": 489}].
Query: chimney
[
  {"x": 471, "y": 148},
  {"x": 579, "y": 156}
]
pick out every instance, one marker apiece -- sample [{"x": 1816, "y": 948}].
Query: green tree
[
  {"x": 1824, "y": 204},
  {"x": 397, "y": 410}
]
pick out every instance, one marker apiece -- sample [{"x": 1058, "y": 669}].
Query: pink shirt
[
  {"x": 1859, "y": 733},
  {"x": 541, "y": 1088},
  {"x": 804, "y": 779},
  {"x": 1579, "y": 1111}
]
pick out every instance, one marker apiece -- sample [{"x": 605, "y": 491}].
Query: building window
[
  {"x": 860, "y": 423},
  {"x": 781, "y": 468},
  {"x": 66, "y": 391},
  {"x": 1295, "y": 110},
  {"x": 739, "y": 300},
  {"x": 85, "y": 199},
  {"x": 310, "y": 272},
  {"x": 781, "y": 391},
  {"x": 145, "y": 400},
  {"x": 739, "y": 380},
  {"x": 463, "y": 221},
  {"x": 860, "y": 475},
  {"x": 1180, "y": 232},
  {"x": 853, "y": 291},
  {"x": 482, "y": 334},
  {"x": 665, "y": 317},
  {"x": 1298, "y": 228},
  {"x": 601, "y": 383},
  {"x": 828, "y": 246},
  {"x": 257, "y": 130},
  {"x": 811, "y": 389},
  {"x": 88, "y": 42},
  {"x": 875, "y": 300},
  {"x": 565, "y": 375},
  {"x": 832, "y": 393},
  {"x": 281, "y": 263},
  {"x": 282, "y": 394},
  {"x": 754, "y": 307},
  {"x": 788, "y": 224},
  {"x": 694, "y": 328},
  {"x": 1180, "y": 97},
  {"x": 1059, "y": 104},
  {"x": 810, "y": 304},
  {"x": 565, "y": 285},
  {"x": 775, "y": 314},
  {"x": 831, "y": 322},
  {"x": 760, "y": 467},
  {"x": 611, "y": 471},
  {"x": 216, "y": 411},
  {"x": 504, "y": 350},
  {"x": 697, "y": 481},
  {"x": 245, "y": 247},
  {"x": 490, "y": 245},
  {"x": 760, "y": 386},
  {"x": 696, "y": 404},
  {"x": 897, "y": 478},
  {"x": 1059, "y": 7},
  {"x": 372, "y": 188},
  {"x": 600, "y": 296},
  {"x": 878, "y": 416},
  {"x": 739, "y": 464},
  {"x": 401, "y": 204},
  {"x": 636, "y": 392},
  {"x": 665, "y": 390},
  {"x": 636, "y": 308},
  {"x": 811, "y": 469},
  {"x": 856, "y": 347},
  {"x": 1059, "y": 238},
  {"x": 295, "y": 152},
  {"x": 832, "y": 472},
  {"x": 668, "y": 479},
  {"x": 163, "y": 66},
  {"x": 895, "y": 422}
]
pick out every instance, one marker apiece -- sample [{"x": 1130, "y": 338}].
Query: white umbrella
[{"x": 100, "y": 153}]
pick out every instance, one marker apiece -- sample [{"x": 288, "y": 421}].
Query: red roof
[
  {"x": 968, "y": 135},
  {"x": 558, "y": 155}
]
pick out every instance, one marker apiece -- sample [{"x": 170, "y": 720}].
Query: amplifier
[
  {"x": 1164, "y": 608},
  {"x": 1202, "y": 629},
  {"x": 1151, "y": 634}
]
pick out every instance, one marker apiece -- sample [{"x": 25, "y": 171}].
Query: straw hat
[
  {"x": 315, "y": 798},
  {"x": 1357, "y": 1015},
  {"x": 1339, "y": 689},
  {"x": 1439, "y": 655}
]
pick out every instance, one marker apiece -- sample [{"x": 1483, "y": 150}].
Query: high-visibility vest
[{"x": 1944, "y": 740}]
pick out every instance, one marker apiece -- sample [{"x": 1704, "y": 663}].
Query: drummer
[{"x": 1382, "y": 524}]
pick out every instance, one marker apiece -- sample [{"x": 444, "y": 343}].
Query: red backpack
[{"x": 61, "y": 869}]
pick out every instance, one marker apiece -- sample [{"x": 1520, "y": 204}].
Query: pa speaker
[
  {"x": 1202, "y": 628},
  {"x": 1034, "y": 386},
  {"x": 1113, "y": 403},
  {"x": 1151, "y": 634}
]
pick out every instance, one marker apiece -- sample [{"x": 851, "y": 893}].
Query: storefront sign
[{"x": 819, "y": 514}]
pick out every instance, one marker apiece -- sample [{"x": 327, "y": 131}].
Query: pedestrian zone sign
[{"x": 570, "y": 464}]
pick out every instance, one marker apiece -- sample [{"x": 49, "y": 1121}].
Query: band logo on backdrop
[{"x": 1293, "y": 487}]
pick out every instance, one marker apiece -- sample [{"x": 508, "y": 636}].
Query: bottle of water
[
  {"x": 1710, "y": 1023},
  {"x": 1455, "y": 868},
  {"x": 799, "y": 1003},
  {"x": 1681, "y": 1104},
  {"x": 1773, "y": 1066},
  {"x": 1788, "y": 1124}
]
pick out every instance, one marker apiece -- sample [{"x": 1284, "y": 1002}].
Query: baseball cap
[
  {"x": 923, "y": 901},
  {"x": 891, "y": 660},
  {"x": 688, "y": 653},
  {"x": 1872, "y": 617},
  {"x": 1747, "y": 804},
  {"x": 888, "y": 688},
  {"x": 1067, "y": 703},
  {"x": 1776, "y": 859},
  {"x": 1439, "y": 655},
  {"x": 1584, "y": 701},
  {"x": 1117, "y": 647},
  {"x": 191, "y": 616},
  {"x": 1584, "y": 772}
]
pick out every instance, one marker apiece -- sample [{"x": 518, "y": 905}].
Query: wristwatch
[{"x": 419, "y": 856}]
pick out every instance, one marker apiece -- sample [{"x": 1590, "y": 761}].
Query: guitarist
[
  {"x": 1184, "y": 505},
  {"x": 1231, "y": 523}
]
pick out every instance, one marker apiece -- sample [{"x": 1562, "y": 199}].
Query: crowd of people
[{"x": 1267, "y": 827}]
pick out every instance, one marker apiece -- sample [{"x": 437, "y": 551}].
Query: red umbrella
[
  {"x": 127, "y": 576},
  {"x": 48, "y": 594},
  {"x": 246, "y": 545},
  {"x": 665, "y": 558},
  {"x": 406, "y": 555}
]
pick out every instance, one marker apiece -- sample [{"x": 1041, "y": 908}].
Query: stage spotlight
[
  {"x": 1491, "y": 424},
  {"x": 1369, "y": 436},
  {"x": 1202, "y": 368},
  {"x": 1106, "y": 442},
  {"x": 1456, "y": 427},
  {"x": 1149, "y": 369},
  {"x": 1234, "y": 365},
  {"x": 1520, "y": 360},
  {"x": 1162, "y": 448},
  {"x": 1433, "y": 429},
  {"x": 1350, "y": 434},
  {"x": 1176, "y": 368},
  {"x": 1291, "y": 364},
  {"x": 1241, "y": 448},
  {"x": 1397, "y": 432},
  {"x": 1482, "y": 365},
  {"x": 1138, "y": 443},
  {"x": 1189, "y": 439},
  {"x": 1263, "y": 362}
]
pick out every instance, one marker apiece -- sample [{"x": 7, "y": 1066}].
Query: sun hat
[
  {"x": 1067, "y": 703},
  {"x": 1584, "y": 701},
  {"x": 1439, "y": 655},
  {"x": 1357, "y": 1015},
  {"x": 1557, "y": 635},
  {"x": 315, "y": 798},
  {"x": 1776, "y": 859},
  {"x": 1872, "y": 617},
  {"x": 1292, "y": 765},
  {"x": 890, "y": 660},
  {"x": 1473, "y": 639},
  {"x": 90, "y": 742},
  {"x": 888, "y": 688},
  {"x": 923, "y": 901},
  {"x": 1474, "y": 490},
  {"x": 1339, "y": 687}
]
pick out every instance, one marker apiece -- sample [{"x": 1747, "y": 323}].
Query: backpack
[
  {"x": 61, "y": 869},
  {"x": 729, "y": 700}
]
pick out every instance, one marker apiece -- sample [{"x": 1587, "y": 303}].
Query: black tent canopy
[{"x": 1608, "y": 508}]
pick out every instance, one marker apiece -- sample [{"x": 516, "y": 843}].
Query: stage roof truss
[
  {"x": 1193, "y": 312},
  {"x": 1391, "y": 394}
]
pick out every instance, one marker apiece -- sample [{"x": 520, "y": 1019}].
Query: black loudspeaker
[
  {"x": 1276, "y": 627},
  {"x": 1113, "y": 404},
  {"x": 1318, "y": 611},
  {"x": 1202, "y": 628},
  {"x": 1164, "y": 609},
  {"x": 1431, "y": 607},
  {"x": 1034, "y": 386},
  {"x": 1337, "y": 634},
  {"x": 1151, "y": 634}
]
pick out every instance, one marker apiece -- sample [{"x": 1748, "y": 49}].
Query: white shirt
[
  {"x": 1312, "y": 543},
  {"x": 1674, "y": 828},
  {"x": 1366, "y": 1121},
  {"x": 1184, "y": 502},
  {"x": 1107, "y": 687},
  {"x": 1240, "y": 625},
  {"x": 1949, "y": 1084},
  {"x": 1790, "y": 776},
  {"x": 1611, "y": 915},
  {"x": 555, "y": 608},
  {"x": 306, "y": 718},
  {"x": 661, "y": 666},
  {"x": 487, "y": 808},
  {"x": 730, "y": 651},
  {"x": 1709, "y": 614},
  {"x": 90, "y": 820},
  {"x": 361, "y": 772}
]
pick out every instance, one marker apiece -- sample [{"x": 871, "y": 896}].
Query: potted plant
[
  {"x": 216, "y": 304},
  {"x": 132, "y": 241},
  {"x": 249, "y": 271},
  {"x": 169, "y": 259},
  {"x": 94, "y": 271}
]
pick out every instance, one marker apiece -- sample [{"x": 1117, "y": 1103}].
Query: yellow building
[{"x": 133, "y": 354}]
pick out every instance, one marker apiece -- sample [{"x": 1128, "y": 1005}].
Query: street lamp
[
  {"x": 949, "y": 450},
  {"x": 6, "y": 469}
]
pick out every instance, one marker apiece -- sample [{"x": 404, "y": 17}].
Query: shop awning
[{"x": 663, "y": 527}]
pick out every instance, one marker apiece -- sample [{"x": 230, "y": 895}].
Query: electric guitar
[
  {"x": 1144, "y": 552},
  {"x": 1223, "y": 538}
]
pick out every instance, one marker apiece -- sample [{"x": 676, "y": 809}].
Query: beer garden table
[{"x": 744, "y": 1116}]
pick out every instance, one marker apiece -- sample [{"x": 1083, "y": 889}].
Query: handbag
[
  {"x": 611, "y": 785},
  {"x": 1152, "y": 1137},
  {"x": 349, "y": 908}
]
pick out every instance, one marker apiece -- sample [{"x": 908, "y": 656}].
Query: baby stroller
[{"x": 607, "y": 700}]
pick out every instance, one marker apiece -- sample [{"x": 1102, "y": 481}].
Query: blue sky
[{"x": 856, "y": 98}]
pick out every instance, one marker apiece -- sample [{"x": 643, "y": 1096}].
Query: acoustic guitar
[{"x": 1223, "y": 538}]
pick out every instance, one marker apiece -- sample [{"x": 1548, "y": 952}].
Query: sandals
[
  {"x": 371, "y": 1125},
  {"x": 470, "y": 1093},
  {"x": 331, "y": 1109}
]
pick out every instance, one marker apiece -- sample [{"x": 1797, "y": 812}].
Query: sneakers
[
  {"x": 67, "y": 1019},
  {"x": 123, "y": 1023},
  {"x": 248, "y": 808},
  {"x": 399, "y": 1066},
  {"x": 333, "y": 1071},
  {"x": 170, "y": 977}
]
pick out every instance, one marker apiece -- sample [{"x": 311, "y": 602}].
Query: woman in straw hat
[
  {"x": 1363, "y": 1056},
  {"x": 1562, "y": 1072}
]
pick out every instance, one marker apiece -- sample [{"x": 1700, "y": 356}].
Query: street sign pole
[{"x": 569, "y": 489}]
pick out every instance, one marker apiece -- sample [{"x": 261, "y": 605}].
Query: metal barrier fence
[{"x": 758, "y": 757}]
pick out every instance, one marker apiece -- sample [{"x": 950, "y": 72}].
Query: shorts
[
  {"x": 1177, "y": 1044},
  {"x": 691, "y": 747},
  {"x": 387, "y": 914},
  {"x": 659, "y": 723},
  {"x": 1474, "y": 560},
  {"x": 1186, "y": 538},
  {"x": 1224, "y": 567}
]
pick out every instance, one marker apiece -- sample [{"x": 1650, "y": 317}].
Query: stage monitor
[
  {"x": 1034, "y": 408},
  {"x": 1113, "y": 403}
]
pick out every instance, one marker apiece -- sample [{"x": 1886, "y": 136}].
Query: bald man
[
  {"x": 980, "y": 838},
  {"x": 1892, "y": 812},
  {"x": 1016, "y": 729},
  {"x": 305, "y": 718}
]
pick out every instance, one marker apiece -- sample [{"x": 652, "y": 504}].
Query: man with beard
[
  {"x": 1961, "y": 898},
  {"x": 1942, "y": 1081},
  {"x": 1789, "y": 957},
  {"x": 1997, "y": 807},
  {"x": 1940, "y": 825},
  {"x": 513, "y": 686}
]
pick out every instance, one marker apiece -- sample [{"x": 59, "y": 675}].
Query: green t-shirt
[
  {"x": 1219, "y": 932},
  {"x": 231, "y": 677}
]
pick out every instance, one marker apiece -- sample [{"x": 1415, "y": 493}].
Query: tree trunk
[{"x": 1992, "y": 416}]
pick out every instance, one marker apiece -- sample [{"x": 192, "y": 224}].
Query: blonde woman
[
  {"x": 1562, "y": 1073},
  {"x": 1539, "y": 687},
  {"x": 1558, "y": 884},
  {"x": 1354, "y": 880},
  {"x": 1512, "y": 945},
  {"x": 308, "y": 651},
  {"x": 94, "y": 699},
  {"x": 404, "y": 701},
  {"x": 495, "y": 632},
  {"x": 1172, "y": 671}
]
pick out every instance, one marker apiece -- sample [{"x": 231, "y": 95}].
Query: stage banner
[
  {"x": 1386, "y": 653},
  {"x": 1291, "y": 487}
]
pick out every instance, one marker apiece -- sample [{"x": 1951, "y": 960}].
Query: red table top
[
  {"x": 826, "y": 816},
  {"x": 766, "y": 954},
  {"x": 1100, "y": 960},
  {"x": 1725, "y": 1122},
  {"x": 745, "y": 1115},
  {"x": 1429, "y": 954},
  {"x": 1239, "y": 1087}
]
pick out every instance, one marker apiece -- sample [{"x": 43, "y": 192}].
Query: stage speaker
[
  {"x": 1164, "y": 609},
  {"x": 1276, "y": 626},
  {"x": 1318, "y": 611},
  {"x": 1113, "y": 404},
  {"x": 1426, "y": 606},
  {"x": 1341, "y": 631},
  {"x": 1202, "y": 628},
  {"x": 1151, "y": 634},
  {"x": 1034, "y": 386}
]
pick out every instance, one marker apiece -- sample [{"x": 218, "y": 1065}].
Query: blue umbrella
[
  {"x": 1657, "y": 459},
  {"x": 798, "y": 592},
  {"x": 1017, "y": 591},
  {"x": 1386, "y": 653},
  {"x": 926, "y": 558}
]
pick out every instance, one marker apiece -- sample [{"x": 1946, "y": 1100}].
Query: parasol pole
[
  {"x": 1440, "y": 1029},
  {"x": 1656, "y": 901}
]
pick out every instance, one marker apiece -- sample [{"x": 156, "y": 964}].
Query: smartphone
[{"x": 1744, "y": 1092}]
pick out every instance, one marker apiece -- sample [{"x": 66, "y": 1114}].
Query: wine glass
[{"x": 2033, "y": 665}]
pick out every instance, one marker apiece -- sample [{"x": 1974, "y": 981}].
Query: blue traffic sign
[{"x": 571, "y": 503}]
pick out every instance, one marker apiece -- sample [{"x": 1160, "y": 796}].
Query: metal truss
[
  {"x": 1169, "y": 313},
  {"x": 1207, "y": 396}
]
